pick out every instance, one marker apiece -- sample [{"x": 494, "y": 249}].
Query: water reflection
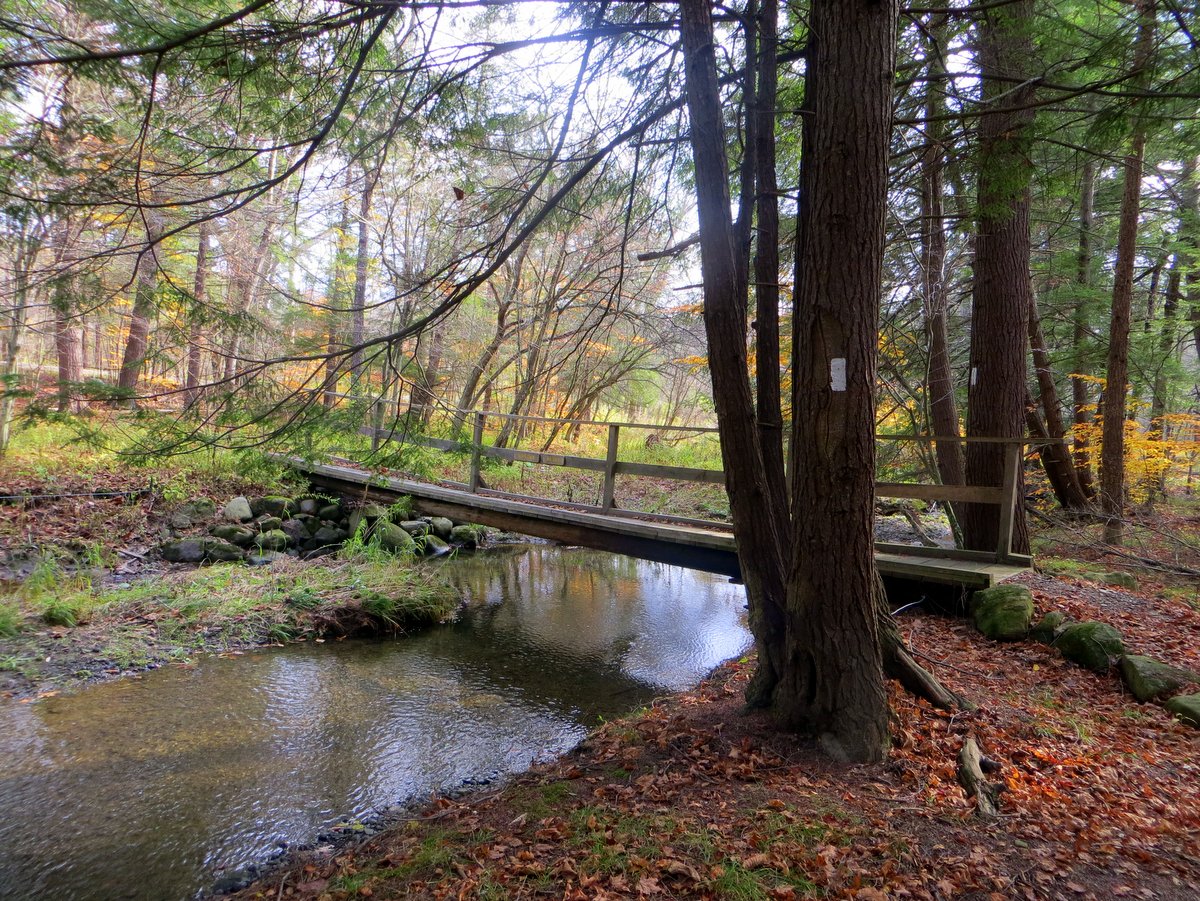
[{"x": 152, "y": 788}]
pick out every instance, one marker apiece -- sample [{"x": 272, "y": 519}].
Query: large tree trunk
[
  {"x": 1080, "y": 450},
  {"x": 191, "y": 382},
  {"x": 832, "y": 683},
  {"x": 1056, "y": 456},
  {"x": 1112, "y": 452},
  {"x": 1002, "y": 291},
  {"x": 943, "y": 410}
]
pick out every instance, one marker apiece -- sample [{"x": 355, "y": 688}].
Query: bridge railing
[{"x": 1004, "y": 496}]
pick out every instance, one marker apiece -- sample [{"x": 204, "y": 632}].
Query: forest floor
[{"x": 693, "y": 798}]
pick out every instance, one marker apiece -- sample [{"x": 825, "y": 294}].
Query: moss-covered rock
[
  {"x": 268, "y": 523},
  {"x": 238, "y": 510},
  {"x": 199, "y": 508},
  {"x": 199, "y": 550},
  {"x": 1003, "y": 612},
  {"x": 327, "y": 535},
  {"x": 393, "y": 538},
  {"x": 415, "y": 527},
  {"x": 1120, "y": 580},
  {"x": 442, "y": 527},
  {"x": 1148, "y": 679},
  {"x": 468, "y": 536},
  {"x": 233, "y": 533},
  {"x": 1048, "y": 627},
  {"x": 329, "y": 511},
  {"x": 272, "y": 540},
  {"x": 433, "y": 546},
  {"x": 367, "y": 517},
  {"x": 1093, "y": 645},
  {"x": 272, "y": 505},
  {"x": 1187, "y": 708}
]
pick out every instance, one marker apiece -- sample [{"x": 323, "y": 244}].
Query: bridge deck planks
[{"x": 710, "y": 549}]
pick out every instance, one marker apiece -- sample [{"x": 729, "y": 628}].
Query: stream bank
[{"x": 330, "y": 569}]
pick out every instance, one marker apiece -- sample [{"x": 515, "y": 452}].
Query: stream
[{"x": 160, "y": 786}]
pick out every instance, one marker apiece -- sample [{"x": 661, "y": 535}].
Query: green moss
[
  {"x": 1003, "y": 613},
  {"x": 1092, "y": 645}
]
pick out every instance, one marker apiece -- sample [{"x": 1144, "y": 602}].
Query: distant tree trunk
[
  {"x": 358, "y": 307},
  {"x": 138, "y": 341},
  {"x": 67, "y": 345},
  {"x": 1081, "y": 452},
  {"x": 943, "y": 410},
  {"x": 24, "y": 257},
  {"x": 1056, "y": 457},
  {"x": 433, "y": 374},
  {"x": 504, "y": 303},
  {"x": 334, "y": 294},
  {"x": 1002, "y": 290},
  {"x": 1168, "y": 341},
  {"x": 1112, "y": 453},
  {"x": 766, "y": 261},
  {"x": 247, "y": 290},
  {"x": 196, "y": 333}
]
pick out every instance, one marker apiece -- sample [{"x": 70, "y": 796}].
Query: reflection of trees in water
[{"x": 648, "y": 622}]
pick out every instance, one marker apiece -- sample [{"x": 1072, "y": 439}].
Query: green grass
[
  {"x": 10, "y": 619},
  {"x": 232, "y": 604}
]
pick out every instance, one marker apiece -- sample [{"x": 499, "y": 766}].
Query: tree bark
[
  {"x": 943, "y": 409},
  {"x": 1002, "y": 290},
  {"x": 832, "y": 684},
  {"x": 766, "y": 262},
  {"x": 191, "y": 382},
  {"x": 138, "y": 341},
  {"x": 358, "y": 308},
  {"x": 1112, "y": 451},
  {"x": 760, "y": 537},
  {"x": 1081, "y": 402},
  {"x": 1056, "y": 457}
]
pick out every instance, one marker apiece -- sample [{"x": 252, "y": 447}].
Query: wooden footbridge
[{"x": 693, "y": 543}]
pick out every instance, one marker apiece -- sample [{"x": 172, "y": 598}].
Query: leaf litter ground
[{"x": 693, "y": 799}]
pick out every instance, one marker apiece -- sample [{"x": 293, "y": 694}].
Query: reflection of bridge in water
[{"x": 686, "y": 542}]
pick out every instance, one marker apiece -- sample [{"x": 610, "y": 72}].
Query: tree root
[
  {"x": 971, "y": 764},
  {"x": 900, "y": 665}
]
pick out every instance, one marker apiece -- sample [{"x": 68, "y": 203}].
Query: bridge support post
[
  {"x": 1009, "y": 501},
  {"x": 610, "y": 467},
  {"x": 476, "y": 452}
]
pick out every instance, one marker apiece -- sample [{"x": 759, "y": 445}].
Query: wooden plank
[
  {"x": 968, "y": 493},
  {"x": 517, "y": 455},
  {"x": 677, "y": 473}
]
